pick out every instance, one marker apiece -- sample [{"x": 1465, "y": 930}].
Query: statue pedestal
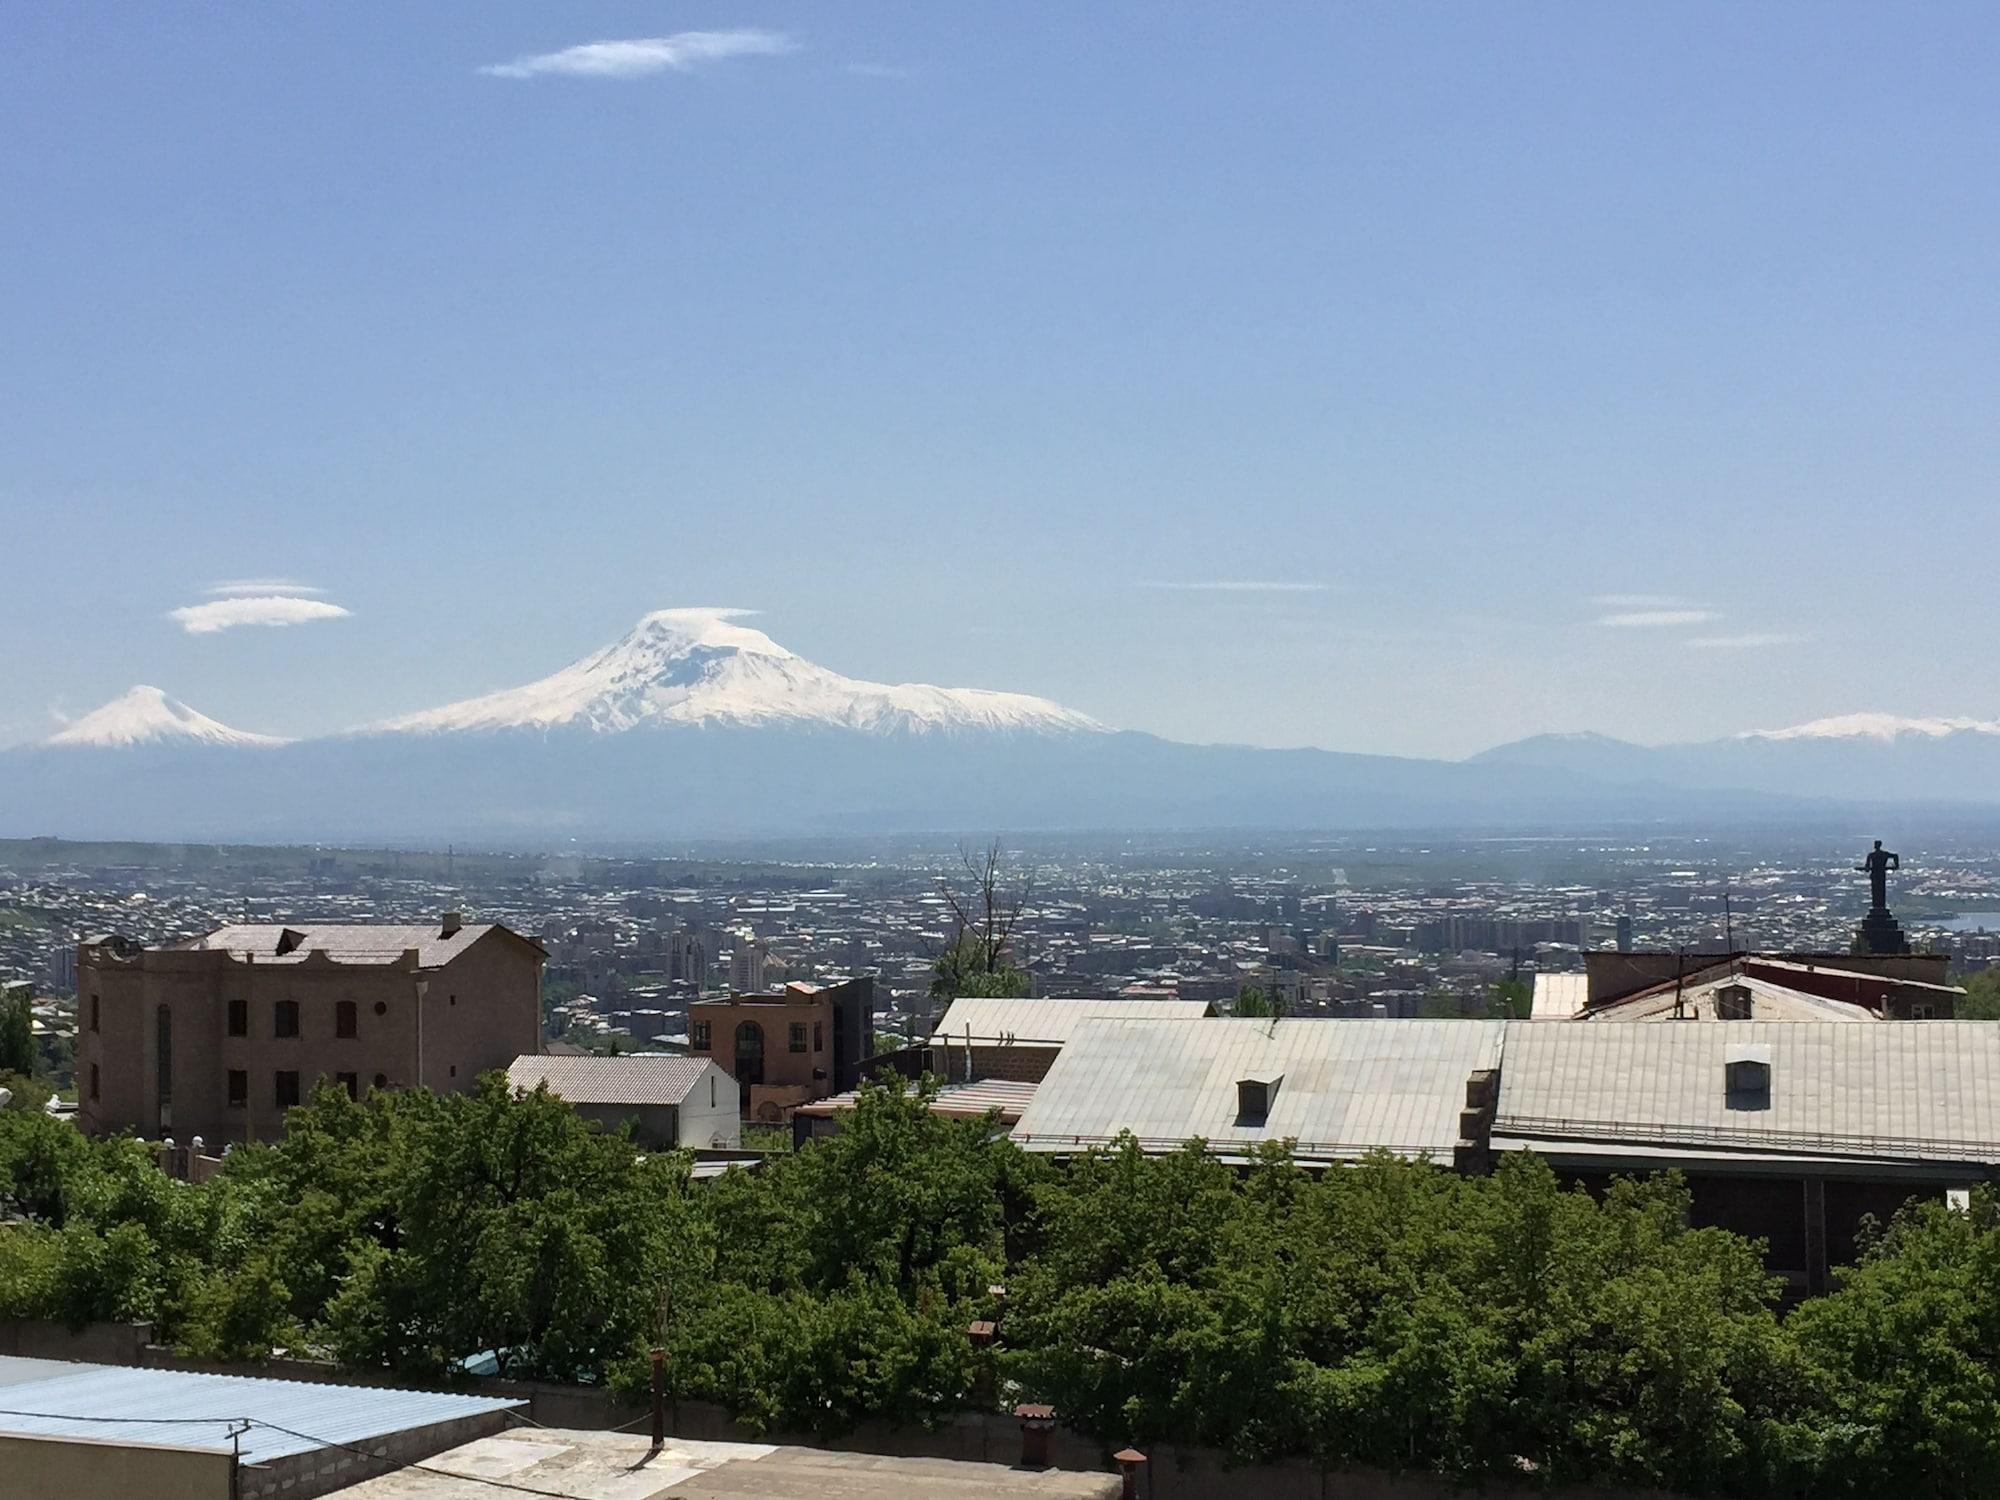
[{"x": 1879, "y": 932}]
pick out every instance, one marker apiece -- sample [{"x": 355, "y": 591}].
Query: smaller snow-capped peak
[
  {"x": 1883, "y": 728},
  {"x": 146, "y": 716},
  {"x": 700, "y": 666}
]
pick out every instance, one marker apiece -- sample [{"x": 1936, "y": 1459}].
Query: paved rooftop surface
[{"x": 615, "y": 1466}]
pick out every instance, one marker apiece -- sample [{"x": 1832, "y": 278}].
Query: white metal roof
[
  {"x": 1348, "y": 1087},
  {"x": 959, "y": 1100},
  {"x": 188, "y": 1409},
  {"x": 1560, "y": 996},
  {"x": 1047, "y": 1022},
  {"x": 1905, "y": 1090},
  {"x": 656, "y": 1079}
]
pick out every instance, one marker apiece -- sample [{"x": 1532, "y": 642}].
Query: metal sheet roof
[
  {"x": 1905, "y": 1090},
  {"x": 1349, "y": 1087},
  {"x": 343, "y": 942},
  {"x": 612, "y": 1080},
  {"x": 188, "y": 1409},
  {"x": 960, "y": 1100},
  {"x": 1560, "y": 996},
  {"x": 1048, "y": 1022}
]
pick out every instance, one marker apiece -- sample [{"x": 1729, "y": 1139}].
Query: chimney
[{"x": 452, "y": 922}]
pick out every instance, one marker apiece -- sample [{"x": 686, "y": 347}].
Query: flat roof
[
  {"x": 620, "y": 1466},
  {"x": 194, "y": 1409}
]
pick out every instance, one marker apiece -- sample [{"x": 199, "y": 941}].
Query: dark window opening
[
  {"x": 287, "y": 1089},
  {"x": 239, "y": 1088},
  {"x": 698, "y": 1038},
  {"x": 344, "y": 1023},
  {"x": 93, "y": 1082},
  {"x": 96, "y": 1012},
  {"x": 239, "y": 1018},
  {"x": 381, "y": 1080},
  {"x": 285, "y": 1018},
  {"x": 796, "y": 1041},
  {"x": 351, "y": 1082},
  {"x": 163, "y": 1077},
  {"x": 819, "y": 1034},
  {"x": 381, "y": 1007}
]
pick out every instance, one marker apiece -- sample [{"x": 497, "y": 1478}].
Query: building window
[
  {"x": 711, "y": 1091},
  {"x": 288, "y": 1089},
  {"x": 797, "y": 1040},
  {"x": 163, "y": 1056},
  {"x": 344, "y": 1022},
  {"x": 95, "y": 1012},
  {"x": 285, "y": 1019},
  {"x": 381, "y": 1080},
  {"x": 819, "y": 1044},
  {"x": 239, "y": 1018},
  {"x": 1922, "y": 1010},
  {"x": 93, "y": 1082},
  {"x": 239, "y": 1088},
  {"x": 381, "y": 1007},
  {"x": 351, "y": 1082},
  {"x": 698, "y": 1036}
]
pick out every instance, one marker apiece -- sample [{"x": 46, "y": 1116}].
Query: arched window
[{"x": 749, "y": 1056}]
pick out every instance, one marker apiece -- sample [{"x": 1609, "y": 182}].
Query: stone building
[
  {"x": 217, "y": 1036},
  {"x": 787, "y": 1048}
]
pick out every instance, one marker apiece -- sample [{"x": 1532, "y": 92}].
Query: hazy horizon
[{"x": 1406, "y": 381}]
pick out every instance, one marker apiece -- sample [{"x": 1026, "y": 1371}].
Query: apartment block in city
[
  {"x": 217, "y": 1036},
  {"x": 788, "y": 1048}
]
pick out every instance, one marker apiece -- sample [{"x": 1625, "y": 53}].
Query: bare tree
[{"x": 985, "y": 915}]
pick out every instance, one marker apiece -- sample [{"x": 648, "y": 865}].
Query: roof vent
[
  {"x": 452, "y": 922},
  {"x": 1747, "y": 1077},
  {"x": 289, "y": 939},
  {"x": 1254, "y": 1096},
  {"x": 1733, "y": 1003}
]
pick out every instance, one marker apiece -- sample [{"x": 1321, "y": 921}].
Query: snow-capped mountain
[
  {"x": 146, "y": 716},
  {"x": 701, "y": 667},
  {"x": 1851, "y": 757},
  {"x": 1884, "y": 729}
]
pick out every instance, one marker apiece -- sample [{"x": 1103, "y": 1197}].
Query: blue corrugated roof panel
[{"x": 188, "y": 1409}]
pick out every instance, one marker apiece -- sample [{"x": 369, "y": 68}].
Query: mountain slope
[
  {"x": 1851, "y": 757},
  {"x": 697, "y": 666},
  {"x": 146, "y": 716}
]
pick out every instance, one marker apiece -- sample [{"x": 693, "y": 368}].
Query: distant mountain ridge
[
  {"x": 1850, "y": 757},
  {"x": 695, "y": 724}
]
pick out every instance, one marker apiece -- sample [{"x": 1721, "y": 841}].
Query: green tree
[
  {"x": 1252, "y": 1000},
  {"x": 1982, "y": 996},
  {"x": 1513, "y": 999},
  {"x": 17, "y": 1032}
]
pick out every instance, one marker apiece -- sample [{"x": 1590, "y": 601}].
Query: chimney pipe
[
  {"x": 452, "y": 922},
  {"x": 1131, "y": 1462}
]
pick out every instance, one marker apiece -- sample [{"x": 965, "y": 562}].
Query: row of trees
[{"x": 1390, "y": 1313}]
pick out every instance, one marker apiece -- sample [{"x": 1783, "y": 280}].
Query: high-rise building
[{"x": 746, "y": 965}]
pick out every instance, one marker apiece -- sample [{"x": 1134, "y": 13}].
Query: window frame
[
  {"x": 346, "y": 1020},
  {"x": 795, "y": 1037},
  {"x": 279, "y": 1089},
  {"x": 285, "y": 1020},
  {"x": 236, "y": 1018},
  {"x": 236, "y": 1089}
]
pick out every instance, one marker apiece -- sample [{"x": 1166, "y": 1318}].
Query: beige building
[
  {"x": 788, "y": 1048},
  {"x": 216, "y": 1037},
  {"x": 669, "y": 1102}
]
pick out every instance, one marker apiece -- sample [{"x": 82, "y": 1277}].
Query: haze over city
[{"x": 1392, "y": 380}]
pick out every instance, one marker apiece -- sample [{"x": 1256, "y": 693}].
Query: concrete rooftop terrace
[{"x": 615, "y": 1466}]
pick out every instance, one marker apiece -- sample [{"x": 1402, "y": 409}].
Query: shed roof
[
  {"x": 189, "y": 1409},
  {"x": 1048, "y": 1021},
  {"x": 611, "y": 1080},
  {"x": 1348, "y": 1087},
  {"x": 957, "y": 1100},
  {"x": 1909, "y": 1090}
]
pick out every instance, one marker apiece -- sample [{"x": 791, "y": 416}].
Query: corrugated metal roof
[
  {"x": 343, "y": 942},
  {"x": 1560, "y": 996},
  {"x": 187, "y": 1409},
  {"x": 1349, "y": 1087},
  {"x": 1047, "y": 1022},
  {"x": 963, "y": 1100},
  {"x": 1907, "y": 1090},
  {"x": 1769, "y": 1001},
  {"x": 612, "y": 1080}
]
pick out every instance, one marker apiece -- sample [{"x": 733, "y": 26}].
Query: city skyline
[{"x": 1349, "y": 379}]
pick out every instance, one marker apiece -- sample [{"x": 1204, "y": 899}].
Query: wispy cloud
[
  {"x": 1231, "y": 586},
  {"x": 1642, "y": 601},
  {"x": 636, "y": 57},
  {"x": 234, "y": 586},
  {"x": 879, "y": 70},
  {"x": 252, "y": 609},
  {"x": 1657, "y": 619},
  {"x": 1746, "y": 642}
]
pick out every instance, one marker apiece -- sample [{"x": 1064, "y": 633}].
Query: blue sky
[{"x": 965, "y": 342}]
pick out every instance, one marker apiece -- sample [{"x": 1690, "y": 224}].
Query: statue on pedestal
[
  {"x": 1878, "y": 863},
  {"x": 1880, "y": 933}
]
